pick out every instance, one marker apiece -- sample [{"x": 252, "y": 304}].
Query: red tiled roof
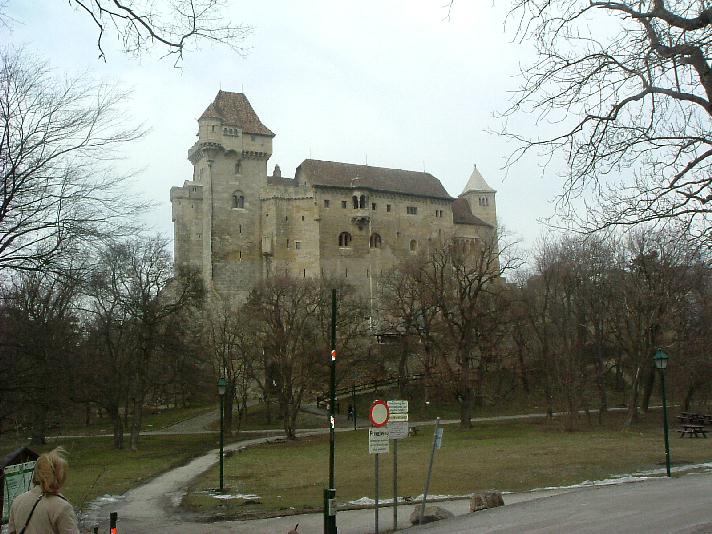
[
  {"x": 462, "y": 214},
  {"x": 346, "y": 175},
  {"x": 235, "y": 110}
]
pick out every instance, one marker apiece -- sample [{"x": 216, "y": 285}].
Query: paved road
[{"x": 677, "y": 505}]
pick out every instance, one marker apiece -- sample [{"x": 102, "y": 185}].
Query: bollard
[{"x": 113, "y": 517}]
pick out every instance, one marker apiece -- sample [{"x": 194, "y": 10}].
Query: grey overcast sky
[{"x": 394, "y": 83}]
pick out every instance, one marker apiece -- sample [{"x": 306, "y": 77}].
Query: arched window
[
  {"x": 362, "y": 201},
  {"x": 238, "y": 200},
  {"x": 413, "y": 245},
  {"x": 354, "y": 200},
  {"x": 238, "y": 166},
  {"x": 374, "y": 241},
  {"x": 344, "y": 239}
]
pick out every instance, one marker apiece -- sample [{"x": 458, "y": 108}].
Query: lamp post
[
  {"x": 661, "y": 361},
  {"x": 222, "y": 386}
]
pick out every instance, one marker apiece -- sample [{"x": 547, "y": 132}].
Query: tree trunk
[
  {"x": 648, "y": 389},
  {"x": 229, "y": 402},
  {"x": 601, "y": 382},
  {"x": 687, "y": 403},
  {"x": 632, "y": 414},
  {"x": 136, "y": 421},
  {"x": 118, "y": 428},
  {"x": 39, "y": 424}
]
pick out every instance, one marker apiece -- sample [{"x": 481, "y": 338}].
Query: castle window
[
  {"x": 343, "y": 204},
  {"x": 238, "y": 200},
  {"x": 298, "y": 245},
  {"x": 411, "y": 210},
  {"x": 388, "y": 207},
  {"x": 354, "y": 201},
  {"x": 413, "y": 245},
  {"x": 326, "y": 202},
  {"x": 287, "y": 243},
  {"x": 238, "y": 166},
  {"x": 374, "y": 241},
  {"x": 344, "y": 239},
  {"x": 239, "y": 228},
  {"x": 373, "y": 206},
  {"x": 302, "y": 217},
  {"x": 286, "y": 217},
  {"x": 212, "y": 129},
  {"x": 362, "y": 201}
]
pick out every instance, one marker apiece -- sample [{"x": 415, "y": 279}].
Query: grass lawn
[
  {"x": 95, "y": 468},
  {"x": 507, "y": 456}
]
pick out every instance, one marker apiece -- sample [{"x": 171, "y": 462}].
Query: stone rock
[
  {"x": 483, "y": 501},
  {"x": 432, "y": 513}
]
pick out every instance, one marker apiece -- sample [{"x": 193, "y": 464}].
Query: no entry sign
[{"x": 378, "y": 414}]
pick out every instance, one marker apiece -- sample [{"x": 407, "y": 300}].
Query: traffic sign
[
  {"x": 398, "y": 429},
  {"x": 397, "y": 417},
  {"x": 379, "y": 413},
  {"x": 398, "y": 406},
  {"x": 377, "y": 440},
  {"x": 438, "y": 437}
]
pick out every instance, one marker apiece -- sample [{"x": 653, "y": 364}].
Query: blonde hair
[{"x": 51, "y": 470}]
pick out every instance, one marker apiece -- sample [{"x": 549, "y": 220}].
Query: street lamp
[
  {"x": 661, "y": 361},
  {"x": 222, "y": 386}
]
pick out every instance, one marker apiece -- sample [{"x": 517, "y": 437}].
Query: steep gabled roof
[
  {"x": 346, "y": 175},
  {"x": 235, "y": 110},
  {"x": 462, "y": 214},
  {"x": 477, "y": 183}
]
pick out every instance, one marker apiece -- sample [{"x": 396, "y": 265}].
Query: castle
[{"x": 237, "y": 225}]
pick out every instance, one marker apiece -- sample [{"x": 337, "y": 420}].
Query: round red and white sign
[{"x": 379, "y": 413}]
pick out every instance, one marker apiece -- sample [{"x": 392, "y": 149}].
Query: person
[
  {"x": 350, "y": 413},
  {"x": 43, "y": 509}
]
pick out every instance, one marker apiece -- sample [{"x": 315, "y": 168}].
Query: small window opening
[
  {"x": 238, "y": 200},
  {"x": 362, "y": 201},
  {"x": 297, "y": 245},
  {"x": 388, "y": 207},
  {"x": 374, "y": 241},
  {"x": 238, "y": 166},
  {"x": 239, "y": 229},
  {"x": 344, "y": 239},
  {"x": 343, "y": 204},
  {"x": 354, "y": 201},
  {"x": 373, "y": 206},
  {"x": 411, "y": 210},
  {"x": 413, "y": 245},
  {"x": 302, "y": 217},
  {"x": 326, "y": 202}
]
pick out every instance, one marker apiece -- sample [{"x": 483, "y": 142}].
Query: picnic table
[
  {"x": 692, "y": 424},
  {"x": 692, "y": 431}
]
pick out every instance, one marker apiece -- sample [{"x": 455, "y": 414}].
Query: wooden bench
[{"x": 692, "y": 431}]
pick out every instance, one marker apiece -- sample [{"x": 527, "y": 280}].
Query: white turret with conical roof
[{"x": 481, "y": 198}]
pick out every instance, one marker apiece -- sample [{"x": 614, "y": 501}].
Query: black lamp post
[
  {"x": 222, "y": 386},
  {"x": 661, "y": 361}
]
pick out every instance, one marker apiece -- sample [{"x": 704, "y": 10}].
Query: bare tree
[
  {"x": 231, "y": 344},
  {"x": 57, "y": 189},
  {"x": 172, "y": 27},
  {"x": 135, "y": 295},
  {"x": 626, "y": 89},
  {"x": 38, "y": 342}
]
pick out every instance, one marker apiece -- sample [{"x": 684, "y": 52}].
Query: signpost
[
  {"x": 330, "y": 492},
  {"x": 398, "y": 429},
  {"x": 437, "y": 443},
  {"x": 378, "y": 438}
]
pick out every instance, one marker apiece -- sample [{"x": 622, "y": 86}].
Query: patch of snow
[
  {"x": 367, "y": 501},
  {"x": 227, "y": 496},
  {"x": 632, "y": 477}
]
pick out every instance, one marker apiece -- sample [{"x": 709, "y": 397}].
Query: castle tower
[
  {"x": 481, "y": 198},
  {"x": 229, "y": 170}
]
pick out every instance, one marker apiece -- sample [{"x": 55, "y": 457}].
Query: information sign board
[
  {"x": 398, "y": 429},
  {"x": 18, "y": 479},
  {"x": 398, "y": 406},
  {"x": 398, "y": 417},
  {"x": 377, "y": 440}
]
